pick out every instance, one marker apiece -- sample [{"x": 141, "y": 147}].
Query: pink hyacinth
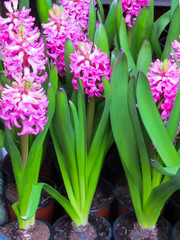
[
  {"x": 90, "y": 65},
  {"x": 164, "y": 79},
  {"x": 131, "y": 9},
  {"x": 60, "y": 28},
  {"x": 21, "y": 47},
  {"x": 24, "y": 105},
  {"x": 78, "y": 10},
  {"x": 176, "y": 46}
]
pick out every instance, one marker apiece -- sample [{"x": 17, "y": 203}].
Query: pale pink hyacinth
[
  {"x": 164, "y": 79},
  {"x": 78, "y": 10},
  {"x": 176, "y": 46},
  {"x": 131, "y": 10},
  {"x": 60, "y": 28},
  {"x": 21, "y": 47},
  {"x": 90, "y": 65},
  {"x": 24, "y": 105}
]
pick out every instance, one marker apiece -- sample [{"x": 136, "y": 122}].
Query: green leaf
[
  {"x": 110, "y": 25},
  {"x": 34, "y": 201},
  {"x": 158, "y": 197},
  {"x": 100, "y": 10},
  {"x": 92, "y": 21},
  {"x": 53, "y": 78},
  {"x": 161, "y": 23},
  {"x": 154, "y": 124},
  {"x": 167, "y": 171},
  {"x": 24, "y": 3},
  {"x": 141, "y": 31},
  {"x": 122, "y": 126},
  {"x": 68, "y": 49},
  {"x": 145, "y": 57},
  {"x": 1, "y": 138},
  {"x": 118, "y": 19},
  {"x": 101, "y": 39},
  {"x": 125, "y": 45},
  {"x": 155, "y": 44},
  {"x": 43, "y": 7},
  {"x": 173, "y": 33}
]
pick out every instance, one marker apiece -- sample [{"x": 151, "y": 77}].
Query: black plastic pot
[
  {"x": 104, "y": 232},
  {"x": 130, "y": 218},
  {"x": 176, "y": 231},
  {"x": 51, "y": 229}
]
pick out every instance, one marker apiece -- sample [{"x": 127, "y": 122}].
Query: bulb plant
[
  {"x": 80, "y": 129},
  {"x": 25, "y": 109},
  {"x": 143, "y": 131}
]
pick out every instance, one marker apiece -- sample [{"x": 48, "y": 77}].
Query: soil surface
[
  {"x": 40, "y": 231},
  {"x": 128, "y": 229},
  {"x": 64, "y": 228}
]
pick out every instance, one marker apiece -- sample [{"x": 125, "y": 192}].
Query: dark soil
[
  {"x": 122, "y": 194},
  {"x": 37, "y": 232},
  {"x": 128, "y": 229},
  {"x": 65, "y": 227}
]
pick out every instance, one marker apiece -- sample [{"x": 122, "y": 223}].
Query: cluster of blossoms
[
  {"x": 90, "y": 65},
  {"x": 78, "y": 10},
  {"x": 176, "y": 46},
  {"x": 131, "y": 10},
  {"x": 23, "y": 103},
  {"x": 60, "y": 28}
]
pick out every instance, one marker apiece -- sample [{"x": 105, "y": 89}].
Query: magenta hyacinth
[
  {"x": 131, "y": 9},
  {"x": 24, "y": 105},
  {"x": 78, "y": 10},
  {"x": 176, "y": 46},
  {"x": 90, "y": 65},
  {"x": 164, "y": 79},
  {"x": 21, "y": 47},
  {"x": 60, "y": 28}
]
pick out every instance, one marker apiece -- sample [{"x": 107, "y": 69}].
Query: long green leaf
[
  {"x": 145, "y": 57},
  {"x": 154, "y": 124},
  {"x": 101, "y": 10},
  {"x": 24, "y": 3},
  {"x": 92, "y": 21},
  {"x": 110, "y": 25},
  {"x": 34, "y": 201},
  {"x": 122, "y": 127},
  {"x": 169, "y": 171},
  {"x": 43, "y": 7},
  {"x": 161, "y": 23}
]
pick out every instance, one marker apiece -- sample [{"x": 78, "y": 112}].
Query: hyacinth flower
[
  {"x": 81, "y": 133},
  {"x": 78, "y": 10},
  {"x": 25, "y": 109},
  {"x": 57, "y": 30},
  {"x": 176, "y": 51}
]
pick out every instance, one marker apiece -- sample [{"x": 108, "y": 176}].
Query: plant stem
[
  {"x": 90, "y": 119},
  {"x": 24, "y": 149},
  {"x": 25, "y": 224}
]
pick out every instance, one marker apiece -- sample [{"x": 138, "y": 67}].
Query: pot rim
[{"x": 173, "y": 237}]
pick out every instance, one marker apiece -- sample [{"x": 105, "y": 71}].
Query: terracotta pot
[
  {"x": 13, "y": 224},
  {"x": 63, "y": 226},
  {"x": 123, "y": 228},
  {"x": 45, "y": 211},
  {"x": 176, "y": 231}
]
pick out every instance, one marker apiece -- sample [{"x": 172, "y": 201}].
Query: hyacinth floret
[
  {"x": 131, "y": 10},
  {"x": 164, "y": 79},
  {"x": 23, "y": 104},
  {"x": 176, "y": 47},
  {"x": 21, "y": 47},
  {"x": 60, "y": 28},
  {"x": 78, "y": 10},
  {"x": 90, "y": 65}
]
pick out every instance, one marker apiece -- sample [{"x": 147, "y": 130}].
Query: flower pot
[
  {"x": 103, "y": 198},
  {"x": 175, "y": 207},
  {"x": 176, "y": 231},
  {"x": 126, "y": 228},
  {"x": 45, "y": 171},
  {"x": 63, "y": 227},
  {"x": 41, "y": 230},
  {"x": 46, "y": 207}
]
